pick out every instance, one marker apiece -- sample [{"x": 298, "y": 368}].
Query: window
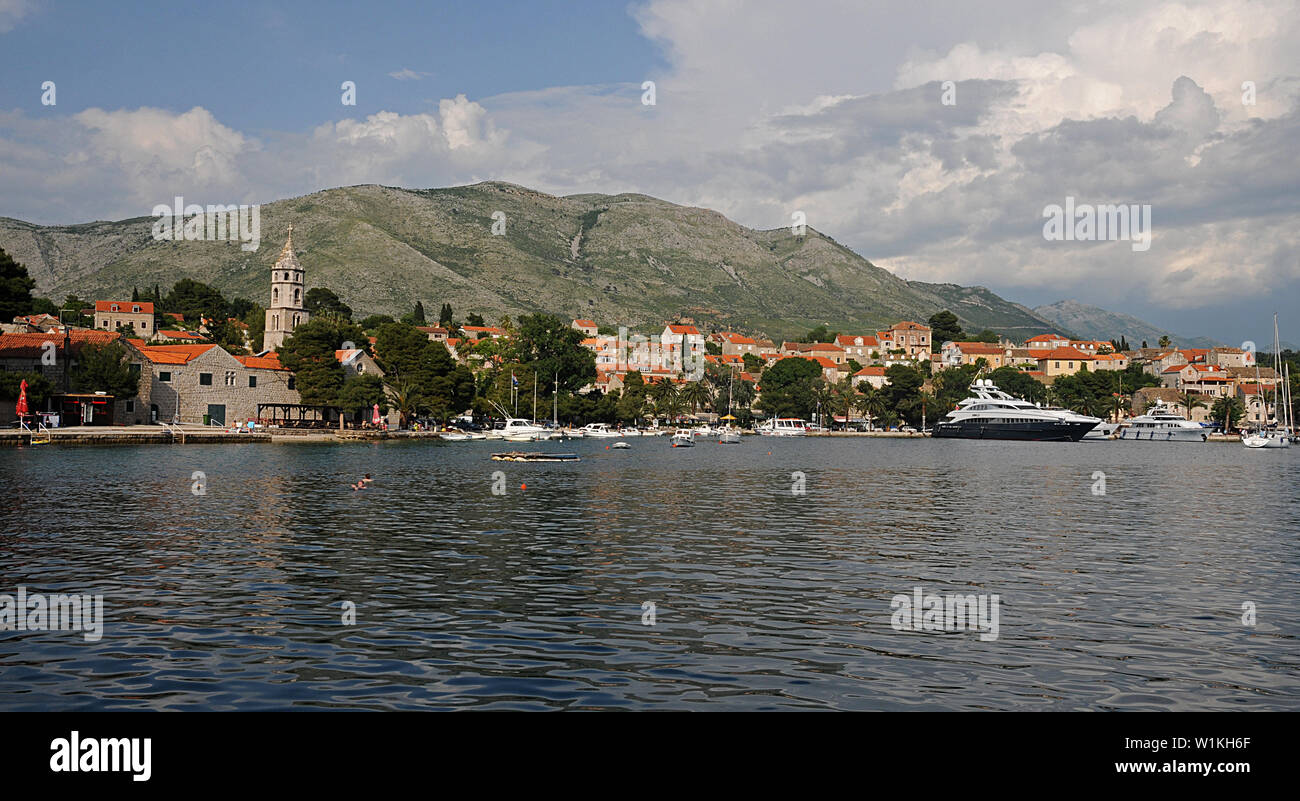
[
  {"x": 113, "y": 307},
  {"x": 292, "y": 383},
  {"x": 144, "y": 324},
  {"x": 130, "y": 406},
  {"x": 252, "y": 381},
  {"x": 275, "y": 295},
  {"x": 205, "y": 379},
  {"x": 135, "y": 309},
  {"x": 230, "y": 378},
  {"x": 295, "y": 295},
  {"x": 165, "y": 377},
  {"x": 106, "y": 323}
]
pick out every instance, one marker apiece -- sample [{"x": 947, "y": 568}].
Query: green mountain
[
  {"x": 1091, "y": 322},
  {"x": 618, "y": 259}
]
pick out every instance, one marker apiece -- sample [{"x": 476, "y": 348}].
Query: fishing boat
[
  {"x": 1280, "y": 433},
  {"x": 683, "y": 438}
]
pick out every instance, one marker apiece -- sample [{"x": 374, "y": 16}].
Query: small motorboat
[
  {"x": 728, "y": 436},
  {"x": 683, "y": 438},
  {"x": 618, "y": 446}
]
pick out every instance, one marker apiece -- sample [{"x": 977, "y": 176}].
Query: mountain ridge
[{"x": 626, "y": 258}]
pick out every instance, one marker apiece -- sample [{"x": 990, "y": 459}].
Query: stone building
[
  {"x": 286, "y": 311},
  {"x": 186, "y": 382},
  {"x": 137, "y": 315}
]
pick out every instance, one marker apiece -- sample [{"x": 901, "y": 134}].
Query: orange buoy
[{"x": 523, "y": 486}]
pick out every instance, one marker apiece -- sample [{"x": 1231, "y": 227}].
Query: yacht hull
[
  {"x": 1176, "y": 435},
  {"x": 1030, "y": 431}
]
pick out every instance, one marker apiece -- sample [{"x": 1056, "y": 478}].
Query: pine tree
[
  {"x": 135, "y": 294},
  {"x": 419, "y": 313}
]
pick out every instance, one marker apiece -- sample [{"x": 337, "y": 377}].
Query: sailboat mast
[
  {"x": 555, "y": 402},
  {"x": 534, "y": 398}
]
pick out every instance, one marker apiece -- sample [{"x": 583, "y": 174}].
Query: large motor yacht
[
  {"x": 991, "y": 413},
  {"x": 1162, "y": 424}
]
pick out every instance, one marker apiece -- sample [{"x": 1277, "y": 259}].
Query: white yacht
[
  {"x": 784, "y": 427},
  {"x": 1162, "y": 424},
  {"x": 683, "y": 438},
  {"x": 518, "y": 429},
  {"x": 1102, "y": 430},
  {"x": 991, "y": 413}
]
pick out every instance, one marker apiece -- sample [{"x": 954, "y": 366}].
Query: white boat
[
  {"x": 1278, "y": 435},
  {"x": 518, "y": 429},
  {"x": 784, "y": 427},
  {"x": 683, "y": 438},
  {"x": 1162, "y": 424},
  {"x": 629, "y": 432},
  {"x": 654, "y": 432},
  {"x": 454, "y": 436},
  {"x": 598, "y": 431},
  {"x": 618, "y": 446},
  {"x": 1102, "y": 430},
  {"x": 728, "y": 436}
]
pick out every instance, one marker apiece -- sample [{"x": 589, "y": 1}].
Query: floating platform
[{"x": 521, "y": 456}]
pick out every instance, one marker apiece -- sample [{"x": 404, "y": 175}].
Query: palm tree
[
  {"x": 666, "y": 398},
  {"x": 1228, "y": 409},
  {"x": 1163, "y": 342},
  {"x": 843, "y": 396},
  {"x": 405, "y": 398},
  {"x": 696, "y": 394},
  {"x": 873, "y": 402},
  {"x": 1191, "y": 400}
]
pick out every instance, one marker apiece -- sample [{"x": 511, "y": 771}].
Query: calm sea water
[{"x": 764, "y": 599}]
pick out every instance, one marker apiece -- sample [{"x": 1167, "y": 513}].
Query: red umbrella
[
  {"x": 375, "y": 418},
  {"x": 21, "y": 409}
]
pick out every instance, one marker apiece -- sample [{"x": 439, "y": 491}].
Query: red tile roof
[
  {"x": 874, "y": 369},
  {"x": 23, "y": 346},
  {"x": 683, "y": 329},
  {"x": 271, "y": 361},
  {"x": 585, "y": 323},
  {"x": 173, "y": 354},
  {"x": 1068, "y": 352}
]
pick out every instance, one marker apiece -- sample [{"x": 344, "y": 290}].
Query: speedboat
[
  {"x": 629, "y": 432},
  {"x": 598, "y": 431},
  {"x": 451, "y": 435},
  {"x": 520, "y": 430},
  {"x": 620, "y": 445},
  {"x": 1162, "y": 424},
  {"x": 784, "y": 427},
  {"x": 991, "y": 413},
  {"x": 683, "y": 438}
]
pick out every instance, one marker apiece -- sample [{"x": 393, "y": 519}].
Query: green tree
[
  {"x": 320, "y": 300},
  {"x": 819, "y": 334},
  {"x": 445, "y": 316},
  {"x": 1191, "y": 400},
  {"x": 632, "y": 401},
  {"x": 1229, "y": 411},
  {"x": 475, "y": 319},
  {"x": 1164, "y": 341},
  {"x": 360, "y": 393},
  {"x": 372, "y": 323},
  {"x": 39, "y": 388},
  {"x": 1015, "y": 382},
  {"x": 104, "y": 368},
  {"x": 944, "y": 327},
  {"x": 416, "y": 317},
  {"x": 789, "y": 388},
  {"x": 987, "y": 335},
  {"x": 15, "y": 288},
  {"x": 696, "y": 394},
  {"x": 753, "y": 364},
  {"x": 309, "y": 353},
  {"x": 194, "y": 300},
  {"x": 903, "y": 392},
  {"x": 551, "y": 347}
]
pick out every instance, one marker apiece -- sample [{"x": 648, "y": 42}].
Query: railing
[
  {"x": 174, "y": 430},
  {"x": 41, "y": 436}
]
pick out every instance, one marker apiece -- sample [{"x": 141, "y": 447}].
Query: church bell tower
[{"x": 287, "y": 297}]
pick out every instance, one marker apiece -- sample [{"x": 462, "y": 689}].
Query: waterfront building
[{"x": 186, "y": 382}]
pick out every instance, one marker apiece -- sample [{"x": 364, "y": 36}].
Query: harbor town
[{"x": 191, "y": 365}]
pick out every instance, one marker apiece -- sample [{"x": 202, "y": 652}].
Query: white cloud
[
  {"x": 12, "y": 11},
  {"x": 407, "y": 74}
]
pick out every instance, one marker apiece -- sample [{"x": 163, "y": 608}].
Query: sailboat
[
  {"x": 1280, "y": 434},
  {"x": 729, "y": 435}
]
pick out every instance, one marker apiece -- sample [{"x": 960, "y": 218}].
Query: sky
[{"x": 839, "y": 110}]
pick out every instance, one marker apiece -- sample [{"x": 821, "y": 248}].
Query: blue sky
[{"x": 833, "y": 108}]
